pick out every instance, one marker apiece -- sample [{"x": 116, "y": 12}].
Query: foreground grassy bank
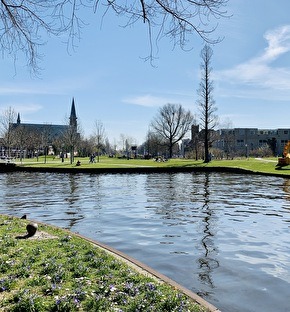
[
  {"x": 59, "y": 271},
  {"x": 250, "y": 165}
]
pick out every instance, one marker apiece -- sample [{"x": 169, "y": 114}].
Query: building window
[
  {"x": 240, "y": 142},
  {"x": 262, "y": 142}
]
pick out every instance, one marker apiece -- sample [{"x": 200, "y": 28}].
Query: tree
[
  {"x": 7, "y": 118},
  {"x": 86, "y": 147},
  {"x": 71, "y": 137},
  {"x": 34, "y": 144},
  {"x": 99, "y": 136},
  {"x": 153, "y": 145},
  {"x": 21, "y": 136},
  {"x": 195, "y": 140},
  {"x": 46, "y": 138},
  {"x": 206, "y": 101},
  {"x": 125, "y": 142},
  {"x": 172, "y": 123},
  {"x": 24, "y": 24}
]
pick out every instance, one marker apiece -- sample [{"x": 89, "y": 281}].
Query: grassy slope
[{"x": 67, "y": 273}]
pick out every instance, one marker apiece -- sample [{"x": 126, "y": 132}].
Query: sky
[{"x": 110, "y": 81}]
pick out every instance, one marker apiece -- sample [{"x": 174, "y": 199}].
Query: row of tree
[{"x": 168, "y": 128}]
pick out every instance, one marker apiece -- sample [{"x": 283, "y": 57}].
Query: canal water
[{"x": 223, "y": 236}]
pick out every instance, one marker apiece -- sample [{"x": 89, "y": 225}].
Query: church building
[
  {"x": 30, "y": 136},
  {"x": 52, "y": 131}
]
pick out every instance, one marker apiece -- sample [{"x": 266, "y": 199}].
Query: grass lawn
[
  {"x": 59, "y": 271},
  {"x": 263, "y": 165}
]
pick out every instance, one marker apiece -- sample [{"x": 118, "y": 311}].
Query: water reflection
[
  {"x": 286, "y": 188},
  {"x": 208, "y": 262},
  {"x": 73, "y": 210},
  {"x": 165, "y": 196}
]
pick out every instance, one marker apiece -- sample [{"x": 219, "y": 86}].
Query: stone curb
[
  {"x": 146, "y": 170},
  {"x": 145, "y": 268}
]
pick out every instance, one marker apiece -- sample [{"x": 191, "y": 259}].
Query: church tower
[
  {"x": 73, "y": 116},
  {"x": 18, "y": 119}
]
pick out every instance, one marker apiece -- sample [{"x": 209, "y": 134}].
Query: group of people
[{"x": 92, "y": 160}]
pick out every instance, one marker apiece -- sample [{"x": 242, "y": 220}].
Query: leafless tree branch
[{"x": 24, "y": 24}]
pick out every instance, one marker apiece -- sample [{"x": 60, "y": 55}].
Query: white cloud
[
  {"x": 27, "y": 108},
  {"x": 27, "y": 90},
  {"x": 149, "y": 100},
  {"x": 278, "y": 43},
  {"x": 146, "y": 100},
  {"x": 56, "y": 87},
  {"x": 22, "y": 108},
  {"x": 13, "y": 90},
  {"x": 259, "y": 71}
]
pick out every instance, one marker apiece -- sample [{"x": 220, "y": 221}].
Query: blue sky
[{"x": 111, "y": 82}]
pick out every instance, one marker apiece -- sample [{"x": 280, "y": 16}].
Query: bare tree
[
  {"x": 86, "y": 147},
  {"x": 46, "y": 139},
  {"x": 34, "y": 143},
  {"x": 20, "y": 140},
  {"x": 109, "y": 147},
  {"x": 122, "y": 142},
  {"x": 154, "y": 145},
  {"x": 23, "y": 24},
  {"x": 125, "y": 142},
  {"x": 99, "y": 137},
  {"x": 70, "y": 138},
  {"x": 7, "y": 118},
  {"x": 172, "y": 123},
  {"x": 206, "y": 101}
]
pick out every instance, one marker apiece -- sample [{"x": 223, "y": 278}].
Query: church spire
[
  {"x": 18, "y": 119},
  {"x": 73, "y": 116}
]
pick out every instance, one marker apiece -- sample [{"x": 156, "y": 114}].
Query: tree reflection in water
[
  {"x": 207, "y": 262},
  {"x": 73, "y": 211},
  {"x": 286, "y": 188}
]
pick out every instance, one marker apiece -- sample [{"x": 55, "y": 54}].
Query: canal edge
[
  {"x": 145, "y": 269},
  {"x": 135, "y": 264}
]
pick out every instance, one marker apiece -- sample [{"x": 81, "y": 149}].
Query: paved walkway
[{"x": 266, "y": 160}]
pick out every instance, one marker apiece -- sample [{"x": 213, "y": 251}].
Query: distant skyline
[{"x": 110, "y": 81}]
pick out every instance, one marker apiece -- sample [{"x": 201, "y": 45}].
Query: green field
[
  {"x": 59, "y": 271},
  {"x": 263, "y": 165}
]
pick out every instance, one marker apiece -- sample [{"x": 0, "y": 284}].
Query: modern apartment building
[{"x": 249, "y": 139}]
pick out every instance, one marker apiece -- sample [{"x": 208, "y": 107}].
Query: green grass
[
  {"x": 265, "y": 165},
  {"x": 68, "y": 273}
]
